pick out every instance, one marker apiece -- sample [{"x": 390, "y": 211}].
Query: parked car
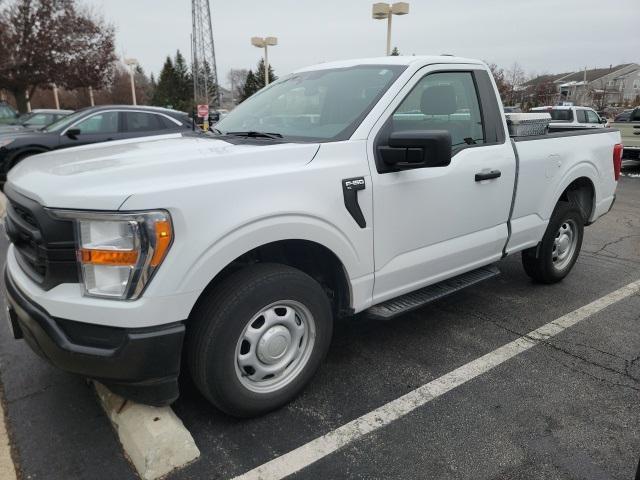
[
  {"x": 630, "y": 131},
  {"x": 347, "y": 187},
  {"x": 7, "y": 113},
  {"x": 90, "y": 125},
  {"x": 624, "y": 116},
  {"x": 571, "y": 118},
  {"x": 512, "y": 109},
  {"x": 34, "y": 120}
]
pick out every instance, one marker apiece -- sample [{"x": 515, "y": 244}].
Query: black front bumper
[{"x": 140, "y": 364}]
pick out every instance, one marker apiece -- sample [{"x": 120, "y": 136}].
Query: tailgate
[{"x": 630, "y": 132}]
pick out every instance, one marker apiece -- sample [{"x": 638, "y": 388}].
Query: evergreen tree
[
  {"x": 211, "y": 84},
  {"x": 250, "y": 86},
  {"x": 174, "y": 88},
  {"x": 395, "y": 52},
  {"x": 163, "y": 94},
  {"x": 183, "y": 90},
  {"x": 255, "y": 81},
  {"x": 259, "y": 75}
]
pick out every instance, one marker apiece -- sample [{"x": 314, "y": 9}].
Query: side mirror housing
[
  {"x": 411, "y": 149},
  {"x": 73, "y": 133}
]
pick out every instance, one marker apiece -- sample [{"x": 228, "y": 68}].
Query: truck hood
[{"x": 103, "y": 176}]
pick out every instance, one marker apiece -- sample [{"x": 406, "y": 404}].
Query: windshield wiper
[{"x": 255, "y": 134}]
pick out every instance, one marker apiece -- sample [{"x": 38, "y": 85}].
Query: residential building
[{"x": 599, "y": 87}]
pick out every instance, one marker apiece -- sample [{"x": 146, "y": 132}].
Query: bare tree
[
  {"x": 498, "y": 77},
  {"x": 514, "y": 77},
  {"x": 237, "y": 78},
  {"x": 78, "y": 50}
]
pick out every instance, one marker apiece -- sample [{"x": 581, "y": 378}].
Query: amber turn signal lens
[
  {"x": 164, "y": 236},
  {"x": 109, "y": 257}
]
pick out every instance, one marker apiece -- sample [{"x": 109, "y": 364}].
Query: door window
[
  {"x": 581, "y": 116},
  {"x": 143, "y": 122},
  {"x": 105, "y": 122},
  {"x": 592, "y": 117},
  {"x": 443, "y": 101}
]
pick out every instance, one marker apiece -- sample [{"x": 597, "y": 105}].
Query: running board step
[{"x": 412, "y": 300}]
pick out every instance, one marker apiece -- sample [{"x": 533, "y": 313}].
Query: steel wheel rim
[
  {"x": 564, "y": 244},
  {"x": 275, "y": 346}
]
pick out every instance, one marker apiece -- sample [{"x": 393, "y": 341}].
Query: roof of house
[
  {"x": 594, "y": 73},
  {"x": 549, "y": 77}
]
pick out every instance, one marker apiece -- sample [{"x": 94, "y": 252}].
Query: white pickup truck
[
  {"x": 572, "y": 118},
  {"x": 372, "y": 186}
]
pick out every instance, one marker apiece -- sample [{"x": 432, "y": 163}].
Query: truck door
[{"x": 434, "y": 222}]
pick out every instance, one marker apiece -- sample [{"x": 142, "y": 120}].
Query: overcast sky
[{"x": 543, "y": 36}]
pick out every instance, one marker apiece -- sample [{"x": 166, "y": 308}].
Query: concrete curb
[
  {"x": 154, "y": 438},
  {"x": 7, "y": 468},
  {"x": 3, "y": 204}
]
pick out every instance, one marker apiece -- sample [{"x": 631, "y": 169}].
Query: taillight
[{"x": 617, "y": 160}]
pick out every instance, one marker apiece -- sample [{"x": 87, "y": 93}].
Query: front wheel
[
  {"x": 554, "y": 257},
  {"x": 257, "y": 339}
]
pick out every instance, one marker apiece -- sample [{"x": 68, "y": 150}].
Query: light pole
[
  {"x": 264, "y": 43},
  {"x": 55, "y": 96},
  {"x": 132, "y": 62},
  {"x": 381, "y": 11}
]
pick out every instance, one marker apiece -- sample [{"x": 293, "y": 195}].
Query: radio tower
[{"x": 203, "y": 62}]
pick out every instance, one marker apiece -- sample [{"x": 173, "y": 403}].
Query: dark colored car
[
  {"x": 624, "y": 116},
  {"x": 90, "y": 125},
  {"x": 34, "y": 120},
  {"x": 7, "y": 113}
]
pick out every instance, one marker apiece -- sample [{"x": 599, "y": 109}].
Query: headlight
[{"x": 119, "y": 253}]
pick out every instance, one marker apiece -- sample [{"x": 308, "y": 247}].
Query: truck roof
[{"x": 392, "y": 60}]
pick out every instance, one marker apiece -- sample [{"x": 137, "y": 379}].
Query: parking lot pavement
[{"x": 566, "y": 408}]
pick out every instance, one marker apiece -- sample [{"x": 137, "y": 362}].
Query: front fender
[{"x": 267, "y": 230}]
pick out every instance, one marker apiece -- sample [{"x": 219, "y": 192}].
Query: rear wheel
[
  {"x": 257, "y": 339},
  {"x": 554, "y": 257}
]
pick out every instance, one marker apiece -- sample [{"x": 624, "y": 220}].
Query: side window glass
[
  {"x": 106, "y": 122},
  {"x": 592, "y": 117},
  {"x": 143, "y": 122},
  {"x": 582, "y": 116},
  {"x": 443, "y": 101}
]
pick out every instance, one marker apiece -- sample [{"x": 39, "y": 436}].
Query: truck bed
[{"x": 546, "y": 163}]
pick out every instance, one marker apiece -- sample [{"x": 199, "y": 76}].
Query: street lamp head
[
  {"x": 380, "y": 11},
  {"x": 400, "y": 8},
  {"x": 258, "y": 42},
  {"x": 271, "y": 41}
]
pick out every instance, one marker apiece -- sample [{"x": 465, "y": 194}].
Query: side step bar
[{"x": 412, "y": 300}]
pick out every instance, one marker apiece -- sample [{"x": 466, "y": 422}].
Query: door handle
[{"x": 487, "y": 175}]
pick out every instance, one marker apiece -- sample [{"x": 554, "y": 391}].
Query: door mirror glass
[
  {"x": 73, "y": 133},
  {"x": 417, "y": 149}
]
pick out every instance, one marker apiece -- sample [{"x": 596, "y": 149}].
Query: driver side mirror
[
  {"x": 73, "y": 133},
  {"x": 411, "y": 149}
]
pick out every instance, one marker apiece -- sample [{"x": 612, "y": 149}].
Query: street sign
[{"x": 203, "y": 111}]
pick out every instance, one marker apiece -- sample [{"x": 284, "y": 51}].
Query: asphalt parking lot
[{"x": 568, "y": 408}]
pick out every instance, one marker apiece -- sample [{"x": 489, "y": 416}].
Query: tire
[
  {"x": 553, "y": 258},
  {"x": 252, "y": 324}
]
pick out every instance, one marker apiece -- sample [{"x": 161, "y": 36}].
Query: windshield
[
  {"x": 320, "y": 105},
  {"x": 64, "y": 122}
]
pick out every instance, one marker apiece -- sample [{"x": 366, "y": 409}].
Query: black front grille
[{"x": 45, "y": 247}]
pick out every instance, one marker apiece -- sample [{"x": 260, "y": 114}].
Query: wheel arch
[
  {"x": 577, "y": 186},
  {"x": 20, "y": 154},
  {"x": 312, "y": 258}
]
